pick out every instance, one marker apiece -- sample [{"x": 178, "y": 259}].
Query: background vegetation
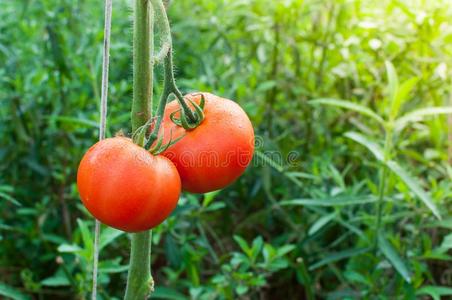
[{"x": 303, "y": 228}]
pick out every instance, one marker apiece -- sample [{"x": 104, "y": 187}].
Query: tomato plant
[
  {"x": 216, "y": 152},
  {"x": 126, "y": 187}
]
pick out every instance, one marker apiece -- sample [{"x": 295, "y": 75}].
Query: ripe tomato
[
  {"x": 126, "y": 187},
  {"x": 215, "y": 153}
]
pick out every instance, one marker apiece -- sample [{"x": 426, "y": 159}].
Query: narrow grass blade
[
  {"x": 12, "y": 293},
  {"x": 350, "y": 106},
  {"x": 330, "y": 202},
  {"x": 366, "y": 142},
  {"x": 436, "y": 292},
  {"x": 320, "y": 223},
  {"x": 391, "y": 254},
  {"x": 414, "y": 186},
  {"x": 337, "y": 256},
  {"x": 419, "y": 115},
  {"x": 10, "y": 199}
]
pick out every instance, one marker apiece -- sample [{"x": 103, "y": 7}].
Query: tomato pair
[{"x": 126, "y": 187}]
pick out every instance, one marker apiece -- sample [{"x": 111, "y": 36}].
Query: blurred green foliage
[{"x": 301, "y": 223}]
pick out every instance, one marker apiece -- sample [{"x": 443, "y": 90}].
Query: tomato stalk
[
  {"x": 168, "y": 89},
  {"x": 165, "y": 55},
  {"x": 139, "y": 280}
]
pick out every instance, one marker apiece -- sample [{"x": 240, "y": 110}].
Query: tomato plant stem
[
  {"x": 139, "y": 280},
  {"x": 142, "y": 63}
]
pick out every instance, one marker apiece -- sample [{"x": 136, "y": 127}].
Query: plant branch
[
  {"x": 164, "y": 27},
  {"x": 167, "y": 55}
]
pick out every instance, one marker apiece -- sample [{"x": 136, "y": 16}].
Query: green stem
[
  {"x": 139, "y": 280},
  {"x": 164, "y": 27},
  {"x": 307, "y": 280},
  {"x": 166, "y": 53},
  {"x": 142, "y": 63},
  {"x": 382, "y": 181},
  {"x": 167, "y": 90},
  {"x": 381, "y": 192}
]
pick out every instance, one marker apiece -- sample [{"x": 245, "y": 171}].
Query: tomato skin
[
  {"x": 217, "y": 152},
  {"x": 126, "y": 187}
]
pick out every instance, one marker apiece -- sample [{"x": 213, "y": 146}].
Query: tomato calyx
[
  {"x": 160, "y": 147},
  {"x": 184, "y": 121},
  {"x": 153, "y": 142}
]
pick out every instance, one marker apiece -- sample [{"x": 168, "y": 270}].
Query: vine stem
[
  {"x": 169, "y": 87},
  {"x": 166, "y": 55},
  {"x": 139, "y": 280}
]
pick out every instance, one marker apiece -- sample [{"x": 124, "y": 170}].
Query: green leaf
[
  {"x": 241, "y": 289},
  {"x": 283, "y": 250},
  {"x": 414, "y": 186},
  {"x": 215, "y": 206},
  {"x": 391, "y": 254},
  {"x": 354, "y": 276},
  {"x": 266, "y": 85},
  {"x": 10, "y": 199},
  {"x": 402, "y": 95},
  {"x": 65, "y": 248},
  {"x": 59, "y": 279},
  {"x": 108, "y": 235},
  {"x": 167, "y": 294},
  {"x": 73, "y": 121},
  {"x": 445, "y": 223},
  {"x": 12, "y": 293},
  {"x": 419, "y": 115},
  {"x": 447, "y": 242},
  {"x": 436, "y": 292},
  {"x": 242, "y": 243},
  {"x": 366, "y": 142},
  {"x": 350, "y": 106},
  {"x": 112, "y": 266},
  {"x": 336, "y": 256},
  {"x": 86, "y": 237},
  {"x": 256, "y": 248},
  {"x": 331, "y": 202},
  {"x": 266, "y": 159},
  {"x": 320, "y": 223},
  {"x": 6, "y": 188},
  {"x": 393, "y": 87},
  {"x": 209, "y": 197},
  {"x": 393, "y": 80}
]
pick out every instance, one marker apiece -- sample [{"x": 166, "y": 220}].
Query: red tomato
[
  {"x": 126, "y": 187},
  {"x": 215, "y": 153}
]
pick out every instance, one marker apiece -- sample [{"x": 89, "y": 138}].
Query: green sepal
[
  {"x": 199, "y": 113},
  {"x": 159, "y": 143}
]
